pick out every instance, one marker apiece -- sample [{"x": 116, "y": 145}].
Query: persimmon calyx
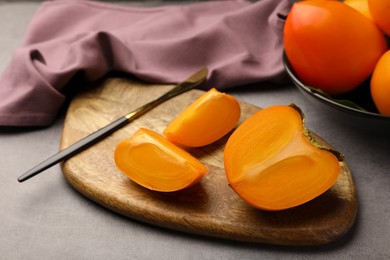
[{"x": 311, "y": 138}]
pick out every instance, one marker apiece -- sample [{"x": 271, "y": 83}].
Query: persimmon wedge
[
  {"x": 206, "y": 120},
  {"x": 153, "y": 162},
  {"x": 273, "y": 163}
]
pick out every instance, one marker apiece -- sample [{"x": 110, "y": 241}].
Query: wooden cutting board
[{"x": 209, "y": 208}]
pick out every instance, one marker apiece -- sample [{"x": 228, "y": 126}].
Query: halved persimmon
[
  {"x": 273, "y": 163},
  {"x": 205, "y": 121},
  {"x": 153, "y": 162}
]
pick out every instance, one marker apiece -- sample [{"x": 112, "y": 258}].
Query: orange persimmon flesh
[
  {"x": 271, "y": 163},
  {"x": 206, "y": 120},
  {"x": 153, "y": 162}
]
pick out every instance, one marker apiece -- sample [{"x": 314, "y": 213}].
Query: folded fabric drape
[{"x": 239, "y": 41}]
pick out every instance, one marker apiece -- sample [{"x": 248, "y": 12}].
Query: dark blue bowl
[{"x": 367, "y": 119}]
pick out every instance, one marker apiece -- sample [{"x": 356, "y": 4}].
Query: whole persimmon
[
  {"x": 330, "y": 46},
  {"x": 380, "y": 11},
  {"x": 361, "y": 6},
  {"x": 380, "y": 84}
]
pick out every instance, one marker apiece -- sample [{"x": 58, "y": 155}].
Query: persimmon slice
[
  {"x": 273, "y": 163},
  {"x": 153, "y": 162},
  {"x": 205, "y": 121}
]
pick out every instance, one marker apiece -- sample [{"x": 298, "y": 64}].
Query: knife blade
[{"x": 191, "y": 82}]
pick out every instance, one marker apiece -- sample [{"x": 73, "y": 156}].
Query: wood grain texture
[{"x": 209, "y": 208}]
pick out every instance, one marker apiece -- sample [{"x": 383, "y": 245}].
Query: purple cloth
[{"x": 239, "y": 41}]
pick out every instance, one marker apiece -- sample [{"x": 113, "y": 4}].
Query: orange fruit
[
  {"x": 272, "y": 164},
  {"x": 206, "y": 120},
  {"x": 330, "y": 46},
  {"x": 380, "y": 84},
  {"x": 361, "y": 6},
  {"x": 153, "y": 162},
  {"x": 380, "y": 11}
]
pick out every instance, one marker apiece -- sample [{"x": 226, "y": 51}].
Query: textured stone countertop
[{"x": 45, "y": 218}]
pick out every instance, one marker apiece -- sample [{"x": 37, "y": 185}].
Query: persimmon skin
[
  {"x": 153, "y": 162},
  {"x": 361, "y": 6},
  {"x": 331, "y": 46},
  {"x": 380, "y": 10},
  {"x": 380, "y": 85},
  {"x": 206, "y": 120},
  {"x": 272, "y": 165}
]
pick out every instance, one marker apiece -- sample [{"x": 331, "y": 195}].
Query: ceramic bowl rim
[{"x": 325, "y": 100}]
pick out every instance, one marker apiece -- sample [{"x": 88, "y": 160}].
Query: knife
[{"x": 190, "y": 83}]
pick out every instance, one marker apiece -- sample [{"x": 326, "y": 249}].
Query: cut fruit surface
[
  {"x": 205, "y": 121},
  {"x": 272, "y": 163},
  {"x": 153, "y": 162}
]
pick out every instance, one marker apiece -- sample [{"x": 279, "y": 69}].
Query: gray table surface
[{"x": 45, "y": 218}]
